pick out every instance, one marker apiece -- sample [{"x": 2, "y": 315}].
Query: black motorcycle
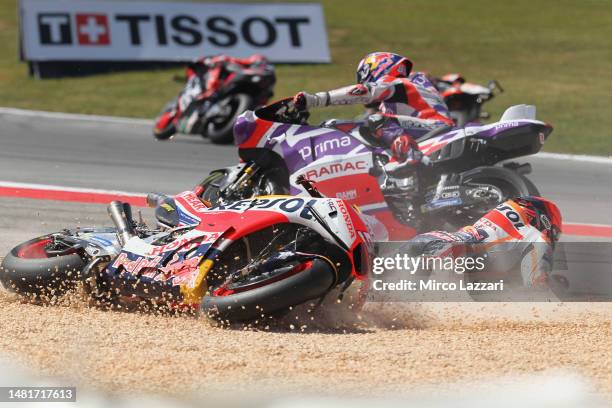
[{"x": 217, "y": 90}]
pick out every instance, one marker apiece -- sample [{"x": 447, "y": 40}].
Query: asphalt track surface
[
  {"x": 120, "y": 156},
  {"x": 397, "y": 348}
]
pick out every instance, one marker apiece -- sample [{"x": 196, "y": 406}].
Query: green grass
[{"x": 556, "y": 54}]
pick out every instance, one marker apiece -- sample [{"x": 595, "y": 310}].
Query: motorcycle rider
[
  {"x": 527, "y": 226},
  {"x": 409, "y": 104},
  {"x": 210, "y": 70}
]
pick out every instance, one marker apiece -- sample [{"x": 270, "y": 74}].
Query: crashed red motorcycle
[{"x": 236, "y": 262}]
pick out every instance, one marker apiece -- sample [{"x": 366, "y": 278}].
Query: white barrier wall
[{"x": 103, "y": 30}]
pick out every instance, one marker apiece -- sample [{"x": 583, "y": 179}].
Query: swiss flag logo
[{"x": 92, "y": 29}]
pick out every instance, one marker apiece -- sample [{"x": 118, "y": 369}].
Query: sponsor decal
[
  {"x": 324, "y": 146},
  {"x": 193, "y": 201},
  {"x": 135, "y": 266},
  {"x": 182, "y": 272},
  {"x": 347, "y": 195},
  {"x": 284, "y": 204},
  {"x": 485, "y": 223},
  {"x": 335, "y": 168},
  {"x": 185, "y": 244},
  {"x": 511, "y": 215},
  {"x": 505, "y": 125},
  {"x": 54, "y": 29},
  {"x": 92, "y": 29},
  {"x": 161, "y": 31},
  {"x": 347, "y": 218},
  {"x": 448, "y": 193}
]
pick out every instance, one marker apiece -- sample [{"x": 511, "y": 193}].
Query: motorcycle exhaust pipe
[{"x": 121, "y": 215}]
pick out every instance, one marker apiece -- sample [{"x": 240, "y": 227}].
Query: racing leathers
[
  {"x": 409, "y": 107},
  {"x": 513, "y": 235}
]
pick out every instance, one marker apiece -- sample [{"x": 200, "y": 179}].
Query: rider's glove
[
  {"x": 304, "y": 101},
  {"x": 401, "y": 146}
]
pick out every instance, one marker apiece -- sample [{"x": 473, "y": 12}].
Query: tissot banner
[{"x": 167, "y": 31}]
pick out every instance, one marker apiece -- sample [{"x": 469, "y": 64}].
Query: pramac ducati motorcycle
[
  {"x": 276, "y": 146},
  {"x": 239, "y": 262}
]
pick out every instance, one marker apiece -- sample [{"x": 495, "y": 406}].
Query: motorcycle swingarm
[{"x": 458, "y": 196}]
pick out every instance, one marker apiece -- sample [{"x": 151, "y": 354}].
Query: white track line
[
  {"x": 575, "y": 157},
  {"x": 76, "y": 116},
  {"x": 149, "y": 122},
  {"x": 11, "y": 184}
]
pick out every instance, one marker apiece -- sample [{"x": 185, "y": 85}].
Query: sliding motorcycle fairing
[{"x": 174, "y": 264}]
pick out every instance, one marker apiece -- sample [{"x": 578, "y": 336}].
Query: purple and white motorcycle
[{"x": 276, "y": 145}]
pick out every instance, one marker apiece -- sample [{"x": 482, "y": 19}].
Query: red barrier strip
[
  {"x": 588, "y": 230},
  {"x": 58, "y": 193},
  {"x": 73, "y": 195}
]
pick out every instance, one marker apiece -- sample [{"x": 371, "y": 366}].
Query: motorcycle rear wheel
[
  {"x": 31, "y": 270},
  {"x": 509, "y": 182}
]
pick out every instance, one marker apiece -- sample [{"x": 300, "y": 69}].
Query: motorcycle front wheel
[
  {"x": 241, "y": 289},
  {"x": 164, "y": 127},
  {"x": 41, "y": 268}
]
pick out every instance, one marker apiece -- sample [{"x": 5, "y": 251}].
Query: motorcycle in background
[
  {"x": 465, "y": 99},
  {"x": 217, "y": 90}
]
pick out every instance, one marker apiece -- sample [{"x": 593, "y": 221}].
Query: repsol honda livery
[
  {"x": 235, "y": 262},
  {"x": 277, "y": 146}
]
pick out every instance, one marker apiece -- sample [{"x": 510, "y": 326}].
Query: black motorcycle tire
[
  {"x": 224, "y": 132},
  {"x": 37, "y": 275},
  {"x": 165, "y": 133},
  {"x": 170, "y": 129},
  {"x": 531, "y": 187},
  {"x": 511, "y": 184},
  {"x": 272, "y": 298}
]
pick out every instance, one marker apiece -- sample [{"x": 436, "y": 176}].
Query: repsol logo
[
  {"x": 284, "y": 204},
  {"x": 182, "y": 29},
  {"x": 511, "y": 215}
]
